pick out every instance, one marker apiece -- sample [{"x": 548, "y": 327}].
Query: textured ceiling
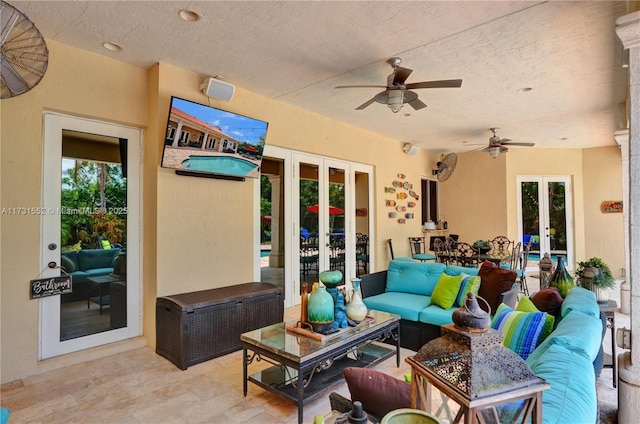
[{"x": 297, "y": 52}]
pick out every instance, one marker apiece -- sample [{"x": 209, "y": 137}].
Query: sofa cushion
[
  {"x": 572, "y": 397},
  {"x": 521, "y": 330},
  {"x": 446, "y": 291},
  {"x": 548, "y": 300},
  {"x": 378, "y": 392},
  {"x": 469, "y": 283},
  {"x": 495, "y": 281},
  {"x": 413, "y": 277},
  {"x": 457, "y": 270},
  {"x": 526, "y": 305},
  {"x": 407, "y": 305},
  {"x": 68, "y": 265},
  {"x": 96, "y": 258},
  {"x": 582, "y": 300},
  {"x": 577, "y": 332},
  {"x": 435, "y": 315},
  {"x": 97, "y": 272}
]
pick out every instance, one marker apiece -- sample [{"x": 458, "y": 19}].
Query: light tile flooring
[{"x": 139, "y": 386}]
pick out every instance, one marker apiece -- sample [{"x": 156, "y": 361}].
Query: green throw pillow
[
  {"x": 469, "y": 283},
  {"x": 446, "y": 290},
  {"x": 526, "y": 305},
  {"x": 521, "y": 330}
]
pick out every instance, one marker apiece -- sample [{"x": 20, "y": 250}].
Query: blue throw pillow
[{"x": 521, "y": 330}]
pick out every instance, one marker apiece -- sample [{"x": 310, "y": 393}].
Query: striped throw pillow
[{"x": 521, "y": 330}]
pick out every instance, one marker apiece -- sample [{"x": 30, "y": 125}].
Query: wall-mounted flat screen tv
[{"x": 205, "y": 141}]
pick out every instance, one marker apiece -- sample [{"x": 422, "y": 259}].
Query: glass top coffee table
[{"x": 305, "y": 368}]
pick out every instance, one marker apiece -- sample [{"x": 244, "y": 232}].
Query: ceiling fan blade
[
  {"x": 520, "y": 144},
  {"x": 504, "y": 140},
  {"x": 361, "y": 86},
  {"x": 365, "y": 104},
  {"x": 435, "y": 84},
  {"x": 417, "y": 104},
  {"x": 400, "y": 75}
]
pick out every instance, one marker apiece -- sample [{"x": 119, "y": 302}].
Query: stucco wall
[
  {"x": 604, "y": 236},
  {"x": 76, "y": 83}
]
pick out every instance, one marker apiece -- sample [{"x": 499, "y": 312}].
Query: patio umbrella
[{"x": 332, "y": 209}]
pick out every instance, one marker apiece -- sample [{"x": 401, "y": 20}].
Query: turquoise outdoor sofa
[
  {"x": 83, "y": 264},
  {"x": 406, "y": 289},
  {"x": 566, "y": 358}
]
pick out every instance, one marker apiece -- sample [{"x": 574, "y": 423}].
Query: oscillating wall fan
[
  {"x": 24, "y": 55},
  {"x": 397, "y": 93},
  {"x": 446, "y": 167}
]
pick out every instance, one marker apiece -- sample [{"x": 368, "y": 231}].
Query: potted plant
[
  {"x": 595, "y": 275},
  {"x": 483, "y": 245}
]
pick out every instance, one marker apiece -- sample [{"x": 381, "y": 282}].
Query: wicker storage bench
[{"x": 197, "y": 326}]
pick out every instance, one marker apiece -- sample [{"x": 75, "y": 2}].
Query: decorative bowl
[{"x": 331, "y": 278}]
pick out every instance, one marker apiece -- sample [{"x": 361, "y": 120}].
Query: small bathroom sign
[{"x": 44, "y": 287}]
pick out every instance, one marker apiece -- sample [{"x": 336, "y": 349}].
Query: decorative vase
[
  {"x": 602, "y": 294},
  {"x": 331, "y": 278},
  {"x": 304, "y": 301},
  {"x": 356, "y": 309},
  {"x": 471, "y": 317},
  {"x": 320, "y": 309},
  {"x": 561, "y": 279}
]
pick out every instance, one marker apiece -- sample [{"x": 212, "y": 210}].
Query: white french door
[
  {"x": 545, "y": 212},
  {"x": 98, "y": 137}
]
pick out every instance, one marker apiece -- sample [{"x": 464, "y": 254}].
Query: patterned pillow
[
  {"x": 446, "y": 290},
  {"x": 469, "y": 283},
  {"x": 521, "y": 330},
  {"x": 526, "y": 305}
]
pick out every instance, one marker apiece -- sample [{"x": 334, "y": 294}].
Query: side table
[
  {"x": 101, "y": 285},
  {"x": 609, "y": 310}
]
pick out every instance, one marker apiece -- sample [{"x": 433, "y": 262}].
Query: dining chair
[
  {"x": 439, "y": 248},
  {"x": 515, "y": 257},
  {"x": 308, "y": 255},
  {"x": 501, "y": 244},
  {"x": 391, "y": 248},
  {"x": 418, "y": 250},
  {"x": 466, "y": 255},
  {"x": 362, "y": 253},
  {"x": 521, "y": 271}
]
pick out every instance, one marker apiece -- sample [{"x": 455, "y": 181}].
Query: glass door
[
  {"x": 91, "y": 231},
  {"x": 545, "y": 216}
]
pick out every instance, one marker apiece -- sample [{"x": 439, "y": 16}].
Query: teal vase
[
  {"x": 561, "y": 279},
  {"x": 320, "y": 310}
]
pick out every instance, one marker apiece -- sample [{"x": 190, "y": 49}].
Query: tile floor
[{"x": 139, "y": 386}]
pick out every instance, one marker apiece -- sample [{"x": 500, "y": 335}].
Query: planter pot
[{"x": 602, "y": 294}]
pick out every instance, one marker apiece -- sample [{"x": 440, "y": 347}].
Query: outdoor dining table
[{"x": 497, "y": 257}]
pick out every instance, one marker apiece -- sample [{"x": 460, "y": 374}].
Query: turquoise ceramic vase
[
  {"x": 320, "y": 310},
  {"x": 331, "y": 278}
]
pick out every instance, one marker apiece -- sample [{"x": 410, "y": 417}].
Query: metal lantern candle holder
[{"x": 545, "y": 267}]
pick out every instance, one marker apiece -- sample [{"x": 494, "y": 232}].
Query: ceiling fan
[
  {"x": 496, "y": 144},
  {"x": 446, "y": 167},
  {"x": 397, "y": 93}
]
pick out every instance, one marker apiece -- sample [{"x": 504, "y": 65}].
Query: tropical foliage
[
  {"x": 94, "y": 204},
  {"x": 595, "y": 272}
]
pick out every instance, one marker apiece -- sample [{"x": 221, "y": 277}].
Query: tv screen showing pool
[{"x": 207, "y": 140}]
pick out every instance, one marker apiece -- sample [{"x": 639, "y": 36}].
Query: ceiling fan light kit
[
  {"x": 497, "y": 144},
  {"x": 397, "y": 93}
]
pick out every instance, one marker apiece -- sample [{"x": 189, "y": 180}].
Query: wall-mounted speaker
[
  {"x": 410, "y": 149},
  {"x": 217, "y": 89}
]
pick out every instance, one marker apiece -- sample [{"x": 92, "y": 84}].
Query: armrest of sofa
[
  {"x": 373, "y": 284},
  {"x": 510, "y": 297}
]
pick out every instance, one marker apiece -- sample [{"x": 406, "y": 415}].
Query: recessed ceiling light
[
  {"x": 189, "y": 15},
  {"x": 114, "y": 47},
  {"x": 524, "y": 89}
]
